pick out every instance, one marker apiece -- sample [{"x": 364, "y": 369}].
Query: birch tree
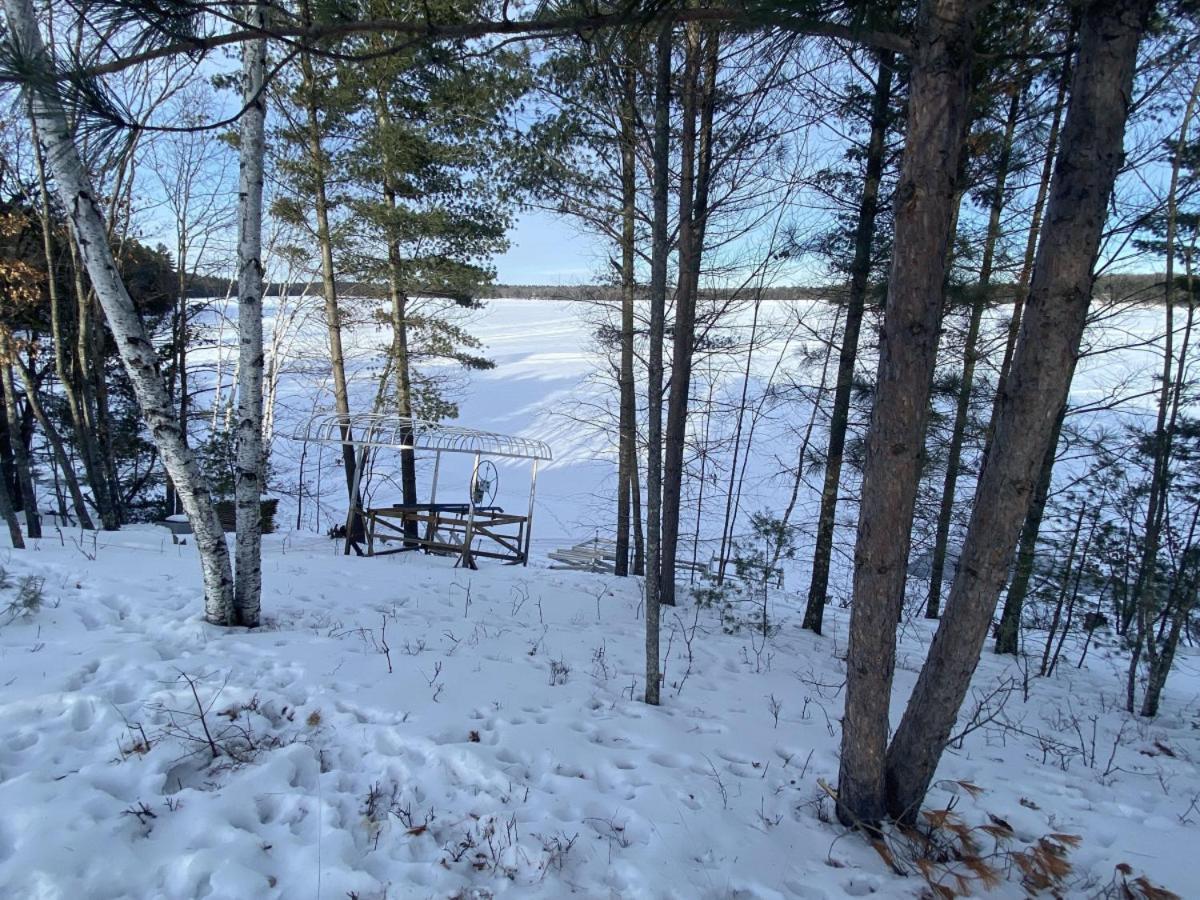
[
  {"x": 250, "y": 464},
  {"x": 39, "y": 79}
]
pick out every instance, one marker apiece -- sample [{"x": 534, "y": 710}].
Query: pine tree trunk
[
  {"x": 97, "y": 389},
  {"x": 1031, "y": 239},
  {"x": 958, "y": 430},
  {"x": 658, "y": 302},
  {"x": 635, "y": 504},
  {"x": 685, "y": 324},
  {"x": 399, "y": 312},
  {"x": 627, "y": 427},
  {"x": 700, "y": 79},
  {"x": 1037, "y": 387},
  {"x": 1065, "y": 580},
  {"x": 1080, "y": 570},
  {"x": 333, "y": 320},
  {"x": 924, "y": 212},
  {"x": 33, "y": 522},
  {"x": 250, "y": 464},
  {"x": 1144, "y": 592},
  {"x": 730, "y": 521},
  {"x": 1008, "y": 633},
  {"x": 56, "y": 444},
  {"x": 80, "y": 379},
  {"x": 57, "y": 337},
  {"x": 10, "y": 516},
  {"x": 860, "y": 272},
  {"x": 404, "y": 405},
  {"x": 1178, "y": 614},
  {"x": 136, "y": 350},
  {"x": 802, "y": 454}
]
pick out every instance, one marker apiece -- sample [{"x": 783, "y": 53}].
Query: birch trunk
[
  {"x": 249, "y": 462},
  {"x": 137, "y": 352},
  {"x": 925, "y": 207},
  {"x": 1035, "y": 391}
]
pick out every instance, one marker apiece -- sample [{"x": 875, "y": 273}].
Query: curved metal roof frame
[{"x": 395, "y": 431}]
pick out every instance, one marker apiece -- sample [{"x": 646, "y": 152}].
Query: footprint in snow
[
  {"x": 85, "y": 674},
  {"x": 733, "y": 757},
  {"x": 669, "y": 760},
  {"x": 83, "y": 714}
]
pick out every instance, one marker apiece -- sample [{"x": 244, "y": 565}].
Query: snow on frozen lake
[{"x": 404, "y": 729}]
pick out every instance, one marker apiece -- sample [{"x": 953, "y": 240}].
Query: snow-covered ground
[{"x": 402, "y": 728}]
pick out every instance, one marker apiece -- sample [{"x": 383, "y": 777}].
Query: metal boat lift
[{"x": 462, "y": 523}]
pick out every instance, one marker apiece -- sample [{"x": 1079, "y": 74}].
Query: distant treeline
[{"x": 1147, "y": 287}]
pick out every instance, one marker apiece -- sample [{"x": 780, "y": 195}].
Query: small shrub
[
  {"x": 31, "y": 593},
  {"x": 559, "y": 671},
  {"x": 29, "y": 598}
]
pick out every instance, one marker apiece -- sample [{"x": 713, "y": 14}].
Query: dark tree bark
[
  {"x": 20, "y": 451},
  {"x": 658, "y": 302},
  {"x": 627, "y": 427},
  {"x": 635, "y": 498},
  {"x": 958, "y": 430},
  {"x": 399, "y": 311},
  {"x": 55, "y": 441},
  {"x": 1169, "y": 401},
  {"x": 79, "y": 372},
  {"x": 1008, "y": 633},
  {"x": 10, "y": 517},
  {"x": 1035, "y": 228},
  {"x": 925, "y": 196},
  {"x": 333, "y": 318},
  {"x": 1035, "y": 390},
  {"x": 860, "y": 272},
  {"x": 685, "y": 320}
]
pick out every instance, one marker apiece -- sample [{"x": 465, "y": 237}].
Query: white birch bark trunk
[
  {"x": 249, "y": 463},
  {"x": 137, "y": 353}
]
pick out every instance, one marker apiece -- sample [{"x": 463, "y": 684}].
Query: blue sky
[{"x": 548, "y": 250}]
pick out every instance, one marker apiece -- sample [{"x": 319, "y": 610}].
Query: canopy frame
[{"x": 372, "y": 431}]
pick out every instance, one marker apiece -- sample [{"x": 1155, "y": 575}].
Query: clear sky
[{"x": 547, "y": 249}]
